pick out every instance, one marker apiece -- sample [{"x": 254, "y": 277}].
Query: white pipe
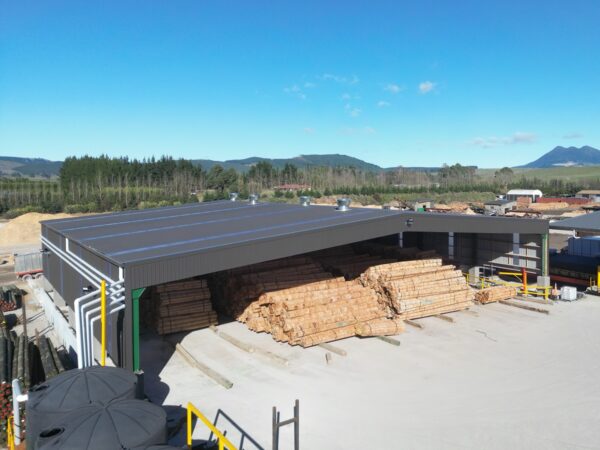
[
  {"x": 78, "y": 333},
  {"x": 93, "y": 321},
  {"x": 89, "y": 266},
  {"x": 81, "y": 324},
  {"x": 88, "y": 332},
  {"x": 95, "y": 276},
  {"x": 18, "y": 397},
  {"x": 79, "y": 269}
]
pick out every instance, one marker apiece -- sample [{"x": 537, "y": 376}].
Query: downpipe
[
  {"x": 88, "y": 333},
  {"x": 119, "y": 306},
  {"x": 85, "y": 320},
  {"x": 78, "y": 331},
  {"x": 83, "y": 323}
]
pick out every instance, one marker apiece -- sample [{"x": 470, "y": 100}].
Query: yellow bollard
[{"x": 103, "y": 322}]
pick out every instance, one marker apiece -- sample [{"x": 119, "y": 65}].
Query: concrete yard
[{"x": 497, "y": 378}]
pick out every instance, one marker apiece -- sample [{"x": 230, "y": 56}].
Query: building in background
[
  {"x": 532, "y": 194},
  {"x": 592, "y": 194},
  {"x": 498, "y": 207}
]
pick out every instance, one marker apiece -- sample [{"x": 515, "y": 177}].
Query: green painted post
[
  {"x": 135, "y": 317},
  {"x": 545, "y": 254}
]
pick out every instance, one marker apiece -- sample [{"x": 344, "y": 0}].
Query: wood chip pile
[
  {"x": 421, "y": 288},
  {"x": 182, "y": 306},
  {"x": 495, "y": 293}
]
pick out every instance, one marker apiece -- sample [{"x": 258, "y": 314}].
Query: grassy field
[{"x": 561, "y": 173}]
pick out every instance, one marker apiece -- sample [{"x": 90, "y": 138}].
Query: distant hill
[
  {"x": 335, "y": 160},
  {"x": 567, "y": 156},
  {"x": 29, "y": 167}
]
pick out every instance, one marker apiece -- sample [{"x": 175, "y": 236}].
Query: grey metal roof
[
  {"x": 586, "y": 222},
  {"x": 137, "y": 237}
]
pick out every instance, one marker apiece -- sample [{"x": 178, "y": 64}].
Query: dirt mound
[{"x": 25, "y": 229}]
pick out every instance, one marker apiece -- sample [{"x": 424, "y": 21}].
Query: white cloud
[
  {"x": 346, "y": 96},
  {"x": 393, "y": 88},
  {"x": 382, "y": 104},
  {"x": 519, "y": 137},
  {"x": 369, "y": 130},
  {"x": 339, "y": 79},
  {"x": 309, "y": 130},
  {"x": 426, "y": 86},
  {"x": 355, "y": 112},
  {"x": 309, "y": 85},
  {"x": 295, "y": 91},
  {"x": 573, "y": 135},
  {"x": 352, "y": 131}
]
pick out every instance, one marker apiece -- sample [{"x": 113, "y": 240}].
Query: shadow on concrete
[{"x": 245, "y": 438}]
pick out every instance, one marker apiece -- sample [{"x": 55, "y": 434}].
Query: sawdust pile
[{"x": 25, "y": 229}]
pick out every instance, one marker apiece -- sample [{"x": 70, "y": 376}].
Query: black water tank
[
  {"x": 164, "y": 447},
  {"x": 73, "y": 389},
  {"x": 120, "y": 424}
]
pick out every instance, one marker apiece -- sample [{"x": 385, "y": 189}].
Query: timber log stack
[
  {"x": 495, "y": 294},
  {"x": 182, "y": 306},
  {"x": 421, "y": 288}
]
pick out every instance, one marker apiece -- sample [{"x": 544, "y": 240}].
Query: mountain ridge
[{"x": 566, "y": 156}]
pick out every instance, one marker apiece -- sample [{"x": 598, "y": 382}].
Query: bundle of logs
[
  {"x": 182, "y": 306},
  {"x": 420, "y": 288},
  {"x": 298, "y": 302},
  {"x": 10, "y": 298},
  {"x": 495, "y": 294}
]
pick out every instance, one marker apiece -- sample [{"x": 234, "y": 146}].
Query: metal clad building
[{"x": 148, "y": 247}]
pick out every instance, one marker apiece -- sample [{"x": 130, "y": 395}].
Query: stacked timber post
[
  {"x": 182, "y": 306},
  {"x": 421, "y": 288},
  {"x": 243, "y": 286},
  {"x": 314, "y": 313},
  {"x": 495, "y": 294}
]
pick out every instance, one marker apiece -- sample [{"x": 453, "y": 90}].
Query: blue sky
[{"x": 413, "y": 83}]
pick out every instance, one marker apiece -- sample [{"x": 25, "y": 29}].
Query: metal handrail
[{"x": 222, "y": 441}]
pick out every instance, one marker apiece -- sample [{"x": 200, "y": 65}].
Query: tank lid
[
  {"x": 117, "y": 425},
  {"x": 78, "y": 387}
]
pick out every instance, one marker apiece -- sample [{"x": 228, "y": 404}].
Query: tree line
[{"x": 96, "y": 184}]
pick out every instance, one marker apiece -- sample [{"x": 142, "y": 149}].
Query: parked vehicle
[{"x": 28, "y": 265}]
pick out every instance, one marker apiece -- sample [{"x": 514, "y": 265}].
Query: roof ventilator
[
  {"x": 233, "y": 196},
  {"x": 253, "y": 199},
  {"x": 305, "y": 200},
  {"x": 343, "y": 204}
]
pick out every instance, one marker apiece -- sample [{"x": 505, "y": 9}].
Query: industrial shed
[{"x": 134, "y": 250}]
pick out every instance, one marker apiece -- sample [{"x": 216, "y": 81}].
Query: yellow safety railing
[
  {"x": 522, "y": 287},
  {"x": 222, "y": 441},
  {"x": 10, "y": 438}
]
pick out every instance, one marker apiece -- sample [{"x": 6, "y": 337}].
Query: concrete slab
[{"x": 507, "y": 378}]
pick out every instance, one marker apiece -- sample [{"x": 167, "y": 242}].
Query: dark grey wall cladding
[{"x": 63, "y": 278}]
